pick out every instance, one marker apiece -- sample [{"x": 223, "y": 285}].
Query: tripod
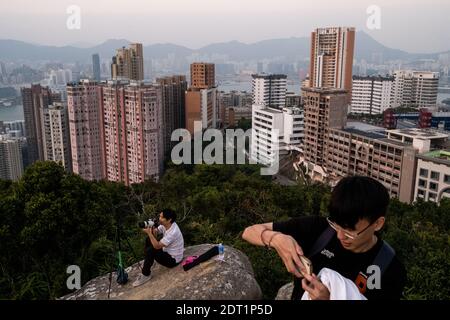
[{"x": 122, "y": 276}]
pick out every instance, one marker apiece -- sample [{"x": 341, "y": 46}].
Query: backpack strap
[
  {"x": 384, "y": 257},
  {"x": 322, "y": 241}
]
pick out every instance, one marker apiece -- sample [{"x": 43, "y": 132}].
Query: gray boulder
[
  {"x": 285, "y": 292},
  {"x": 232, "y": 279}
]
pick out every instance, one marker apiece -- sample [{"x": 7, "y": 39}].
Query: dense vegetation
[{"x": 51, "y": 219}]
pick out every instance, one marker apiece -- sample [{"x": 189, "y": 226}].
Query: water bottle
[{"x": 221, "y": 252}]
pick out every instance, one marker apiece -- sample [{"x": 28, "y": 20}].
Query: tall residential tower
[
  {"x": 173, "y": 101},
  {"x": 201, "y": 104},
  {"x": 34, "y": 100},
  {"x": 86, "y": 129},
  {"x": 331, "y": 63},
  {"x": 269, "y": 90},
  {"x": 128, "y": 63},
  {"x": 96, "y": 67}
]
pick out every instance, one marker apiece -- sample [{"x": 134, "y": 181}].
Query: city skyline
[
  {"x": 288, "y": 19},
  {"x": 126, "y": 111}
]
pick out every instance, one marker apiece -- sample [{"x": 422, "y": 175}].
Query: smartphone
[{"x": 308, "y": 265}]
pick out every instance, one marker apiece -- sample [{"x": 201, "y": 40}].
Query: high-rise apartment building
[
  {"x": 11, "y": 165},
  {"x": 202, "y": 75},
  {"x": 324, "y": 109},
  {"x": 371, "y": 95},
  {"x": 416, "y": 89},
  {"x": 201, "y": 106},
  {"x": 128, "y": 63},
  {"x": 132, "y": 119},
  {"x": 334, "y": 149},
  {"x": 173, "y": 107},
  {"x": 331, "y": 63},
  {"x": 269, "y": 90},
  {"x": 86, "y": 129},
  {"x": 96, "y": 67},
  {"x": 116, "y": 130},
  {"x": 34, "y": 99},
  {"x": 55, "y": 132},
  {"x": 201, "y": 99}
]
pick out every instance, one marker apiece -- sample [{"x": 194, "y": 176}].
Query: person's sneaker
[{"x": 141, "y": 280}]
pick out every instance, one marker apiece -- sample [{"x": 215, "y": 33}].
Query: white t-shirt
[
  {"x": 340, "y": 288},
  {"x": 173, "y": 241}
]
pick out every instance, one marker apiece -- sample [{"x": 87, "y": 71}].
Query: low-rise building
[
  {"x": 369, "y": 153},
  {"x": 371, "y": 95},
  {"x": 433, "y": 176},
  {"x": 275, "y": 132}
]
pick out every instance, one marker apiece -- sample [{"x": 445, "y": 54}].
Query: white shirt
[
  {"x": 340, "y": 288},
  {"x": 173, "y": 241}
]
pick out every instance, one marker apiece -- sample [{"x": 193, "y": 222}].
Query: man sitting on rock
[{"x": 168, "y": 251}]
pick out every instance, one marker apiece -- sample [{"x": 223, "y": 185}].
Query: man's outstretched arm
[
  {"x": 253, "y": 234},
  {"x": 287, "y": 248}
]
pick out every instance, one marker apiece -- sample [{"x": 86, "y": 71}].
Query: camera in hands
[{"x": 149, "y": 223}]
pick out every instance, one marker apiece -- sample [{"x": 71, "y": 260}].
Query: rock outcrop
[
  {"x": 285, "y": 292},
  {"x": 232, "y": 278}
]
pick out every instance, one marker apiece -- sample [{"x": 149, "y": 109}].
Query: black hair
[
  {"x": 169, "y": 215},
  {"x": 355, "y": 198}
]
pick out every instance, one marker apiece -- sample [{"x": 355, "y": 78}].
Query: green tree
[{"x": 51, "y": 219}]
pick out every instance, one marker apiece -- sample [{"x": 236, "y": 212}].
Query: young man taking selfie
[{"x": 348, "y": 241}]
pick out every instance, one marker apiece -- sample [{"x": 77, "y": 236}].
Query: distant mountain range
[{"x": 289, "y": 49}]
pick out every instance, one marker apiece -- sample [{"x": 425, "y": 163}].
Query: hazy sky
[{"x": 411, "y": 25}]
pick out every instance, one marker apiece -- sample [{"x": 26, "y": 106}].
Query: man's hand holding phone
[{"x": 307, "y": 264}]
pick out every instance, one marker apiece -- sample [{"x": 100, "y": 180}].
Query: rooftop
[
  {"x": 374, "y": 135},
  {"x": 271, "y": 110},
  {"x": 269, "y": 76},
  {"x": 364, "y": 126},
  {"x": 419, "y": 133},
  {"x": 367, "y": 134},
  {"x": 394, "y": 142},
  {"x": 375, "y": 78}
]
